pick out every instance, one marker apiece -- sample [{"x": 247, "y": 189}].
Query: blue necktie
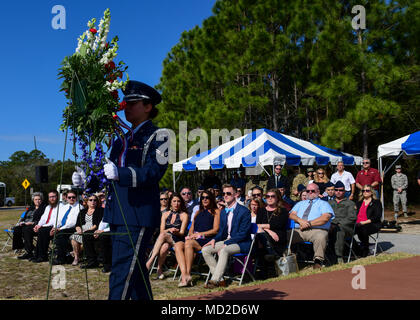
[{"x": 63, "y": 222}]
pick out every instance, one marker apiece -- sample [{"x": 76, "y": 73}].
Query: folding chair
[
  {"x": 238, "y": 258},
  {"x": 9, "y": 233},
  {"x": 299, "y": 252},
  {"x": 371, "y": 236}
]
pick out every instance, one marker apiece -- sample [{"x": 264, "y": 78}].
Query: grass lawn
[{"x": 27, "y": 280}]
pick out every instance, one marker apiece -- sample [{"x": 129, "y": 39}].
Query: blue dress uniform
[{"x": 136, "y": 194}]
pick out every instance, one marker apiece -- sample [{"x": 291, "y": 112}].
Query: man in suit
[
  {"x": 278, "y": 179},
  {"x": 132, "y": 207},
  {"x": 329, "y": 191},
  {"x": 234, "y": 237}
]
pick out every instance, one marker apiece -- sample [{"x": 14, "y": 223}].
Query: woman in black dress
[
  {"x": 203, "y": 228},
  {"x": 272, "y": 222},
  {"x": 173, "y": 226}
]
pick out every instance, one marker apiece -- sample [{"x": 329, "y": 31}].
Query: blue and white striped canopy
[
  {"x": 409, "y": 144},
  {"x": 264, "y": 147}
]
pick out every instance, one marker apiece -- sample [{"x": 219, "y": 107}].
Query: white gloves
[
  {"x": 110, "y": 170},
  {"x": 78, "y": 178}
]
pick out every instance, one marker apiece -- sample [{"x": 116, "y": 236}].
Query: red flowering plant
[{"x": 91, "y": 83}]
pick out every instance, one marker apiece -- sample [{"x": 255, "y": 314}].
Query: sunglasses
[
  {"x": 205, "y": 198},
  {"x": 226, "y": 193},
  {"x": 185, "y": 193},
  {"x": 269, "y": 196},
  {"x": 365, "y": 162},
  {"x": 72, "y": 197},
  {"x": 92, "y": 200},
  {"x": 339, "y": 190},
  {"x": 257, "y": 195},
  {"x": 320, "y": 172},
  {"x": 367, "y": 190},
  {"x": 311, "y": 191},
  {"x": 166, "y": 199}
]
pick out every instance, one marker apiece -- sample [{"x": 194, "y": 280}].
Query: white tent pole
[
  {"x": 382, "y": 187},
  {"x": 173, "y": 179}
]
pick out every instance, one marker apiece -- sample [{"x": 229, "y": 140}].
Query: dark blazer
[
  {"x": 271, "y": 183},
  {"x": 373, "y": 212},
  {"x": 96, "y": 217},
  {"x": 240, "y": 232},
  {"x": 137, "y": 187}
]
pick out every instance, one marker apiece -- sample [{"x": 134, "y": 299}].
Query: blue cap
[
  {"x": 301, "y": 187},
  {"x": 136, "y": 90},
  {"x": 201, "y": 188},
  {"x": 329, "y": 184},
  {"x": 216, "y": 187},
  {"x": 339, "y": 184}
]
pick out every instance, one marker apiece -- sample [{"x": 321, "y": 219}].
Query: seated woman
[
  {"x": 173, "y": 226},
  {"x": 254, "y": 206},
  {"x": 23, "y": 233},
  {"x": 203, "y": 228},
  {"x": 369, "y": 216},
  {"x": 272, "y": 229},
  {"x": 87, "y": 222}
]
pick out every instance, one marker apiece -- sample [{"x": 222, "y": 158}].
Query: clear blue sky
[{"x": 31, "y": 52}]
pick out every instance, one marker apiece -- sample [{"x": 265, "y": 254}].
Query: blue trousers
[{"x": 127, "y": 281}]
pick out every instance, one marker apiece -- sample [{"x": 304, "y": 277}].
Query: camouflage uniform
[
  {"x": 299, "y": 179},
  {"x": 400, "y": 181}
]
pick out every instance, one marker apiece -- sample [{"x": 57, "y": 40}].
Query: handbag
[{"x": 288, "y": 263}]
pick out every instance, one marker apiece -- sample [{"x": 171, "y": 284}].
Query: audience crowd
[{"x": 220, "y": 221}]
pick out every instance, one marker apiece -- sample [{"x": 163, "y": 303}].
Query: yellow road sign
[{"x": 26, "y": 184}]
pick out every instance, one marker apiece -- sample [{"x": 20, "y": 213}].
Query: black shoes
[
  {"x": 317, "y": 264},
  {"x": 26, "y": 256},
  {"x": 106, "y": 269},
  {"x": 39, "y": 260},
  {"x": 58, "y": 262},
  {"x": 90, "y": 265}
]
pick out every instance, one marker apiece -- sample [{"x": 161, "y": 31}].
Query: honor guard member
[
  {"x": 399, "y": 182},
  {"x": 134, "y": 194}
]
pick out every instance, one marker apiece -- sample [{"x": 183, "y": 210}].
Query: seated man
[
  {"x": 234, "y": 236},
  {"x": 66, "y": 223},
  {"x": 288, "y": 203},
  {"x": 103, "y": 240},
  {"x": 312, "y": 219},
  {"x": 45, "y": 225},
  {"x": 343, "y": 222},
  {"x": 329, "y": 193}
]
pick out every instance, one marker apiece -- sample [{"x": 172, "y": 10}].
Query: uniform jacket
[
  {"x": 240, "y": 232},
  {"x": 345, "y": 212},
  {"x": 137, "y": 187},
  {"x": 399, "y": 181}
]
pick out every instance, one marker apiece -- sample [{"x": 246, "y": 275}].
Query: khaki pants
[
  {"x": 217, "y": 268},
  {"x": 318, "y": 237}
]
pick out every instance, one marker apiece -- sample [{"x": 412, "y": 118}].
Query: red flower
[
  {"x": 110, "y": 65},
  {"x": 115, "y": 116},
  {"x": 122, "y": 104},
  {"x": 114, "y": 94},
  {"x": 93, "y": 30}
]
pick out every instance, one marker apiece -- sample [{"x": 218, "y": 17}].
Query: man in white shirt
[
  {"x": 105, "y": 245},
  {"x": 66, "y": 223},
  {"x": 44, "y": 226},
  {"x": 346, "y": 178},
  {"x": 234, "y": 236}
]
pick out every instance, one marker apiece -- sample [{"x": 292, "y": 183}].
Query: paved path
[
  {"x": 395, "y": 280},
  {"x": 399, "y": 242}
]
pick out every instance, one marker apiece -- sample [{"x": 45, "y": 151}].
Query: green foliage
[{"x": 298, "y": 67}]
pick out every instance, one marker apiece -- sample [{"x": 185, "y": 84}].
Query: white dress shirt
[
  {"x": 71, "y": 218},
  {"x": 43, "y": 221},
  {"x": 346, "y": 178},
  {"x": 230, "y": 218}
]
